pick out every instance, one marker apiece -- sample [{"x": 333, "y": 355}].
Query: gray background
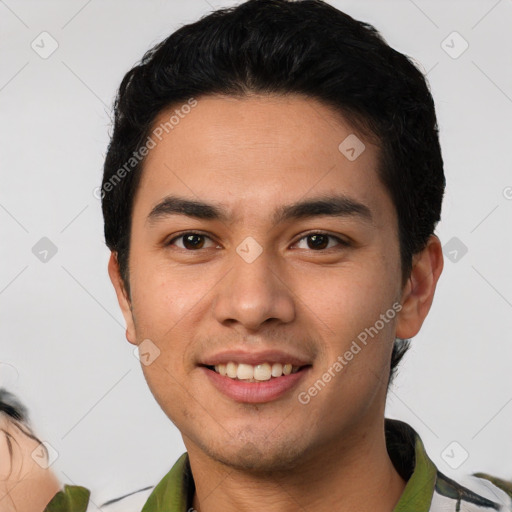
[{"x": 63, "y": 347}]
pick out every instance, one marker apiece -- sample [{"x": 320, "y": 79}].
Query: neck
[{"x": 356, "y": 474}]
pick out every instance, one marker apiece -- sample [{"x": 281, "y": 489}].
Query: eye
[
  {"x": 191, "y": 241},
  {"x": 316, "y": 241},
  {"x": 319, "y": 241}
]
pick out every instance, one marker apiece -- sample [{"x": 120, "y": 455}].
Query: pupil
[
  {"x": 319, "y": 241},
  {"x": 189, "y": 243}
]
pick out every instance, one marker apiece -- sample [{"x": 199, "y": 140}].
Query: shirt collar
[{"x": 410, "y": 459}]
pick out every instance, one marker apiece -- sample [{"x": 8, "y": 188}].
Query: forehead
[
  {"x": 248, "y": 153},
  {"x": 226, "y": 127}
]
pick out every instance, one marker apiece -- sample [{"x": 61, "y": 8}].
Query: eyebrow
[{"x": 332, "y": 205}]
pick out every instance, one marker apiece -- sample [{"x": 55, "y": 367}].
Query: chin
[{"x": 261, "y": 455}]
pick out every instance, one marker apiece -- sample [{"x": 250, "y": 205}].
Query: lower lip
[{"x": 255, "y": 392}]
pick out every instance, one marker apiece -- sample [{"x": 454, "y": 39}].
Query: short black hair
[{"x": 304, "y": 47}]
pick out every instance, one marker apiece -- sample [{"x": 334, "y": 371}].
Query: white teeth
[
  {"x": 277, "y": 370},
  {"x": 259, "y": 372},
  {"x": 231, "y": 370},
  {"x": 263, "y": 372},
  {"x": 245, "y": 371}
]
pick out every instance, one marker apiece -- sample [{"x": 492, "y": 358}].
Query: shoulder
[
  {"x": 471, "y": 493},
  {"x": 174, "y": 490},
  {"x": 132, "y": 502},
  {"x": 429, "y": 489}
]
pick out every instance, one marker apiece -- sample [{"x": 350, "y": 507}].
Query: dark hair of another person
[
  {"x": 17, "y": 414},
  {"x": 282, "y": 47}
]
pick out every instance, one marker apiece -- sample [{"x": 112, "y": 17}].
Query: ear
[
  {"x": 418, "y": 292},
  {"x": 122, "y": 297}
]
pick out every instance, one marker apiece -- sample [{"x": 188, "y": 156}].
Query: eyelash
[{"x": 341, "y": 242}]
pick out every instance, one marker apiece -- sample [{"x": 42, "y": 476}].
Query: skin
[
  {"x": 251, "y": 156},
  {"x": 25, "y": 485}
]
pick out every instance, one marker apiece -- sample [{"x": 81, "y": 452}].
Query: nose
[{"x": 253, "y": 293}]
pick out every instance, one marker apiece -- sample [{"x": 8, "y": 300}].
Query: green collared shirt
[{"x": 427, "y": 489}]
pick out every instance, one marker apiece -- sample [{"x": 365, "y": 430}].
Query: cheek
[
  {"x": 164, "y": 297},
  {"x": 343, "y": 302},
  {"x": 163, "y": 384}
]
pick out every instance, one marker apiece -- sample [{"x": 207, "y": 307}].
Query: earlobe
[
  {"x": 418, "y": 293},
  {"x": 122, "y": 297}
]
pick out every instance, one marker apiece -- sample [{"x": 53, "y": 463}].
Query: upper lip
[{"x": 254, "y": 358}]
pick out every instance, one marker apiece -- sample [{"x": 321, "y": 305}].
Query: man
[{"x": 270, "y": 195}]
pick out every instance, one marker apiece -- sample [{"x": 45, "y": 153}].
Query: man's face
[{"x": 301, "y": 288}]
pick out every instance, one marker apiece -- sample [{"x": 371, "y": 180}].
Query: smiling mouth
[{"x": 255, "y": 373}]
